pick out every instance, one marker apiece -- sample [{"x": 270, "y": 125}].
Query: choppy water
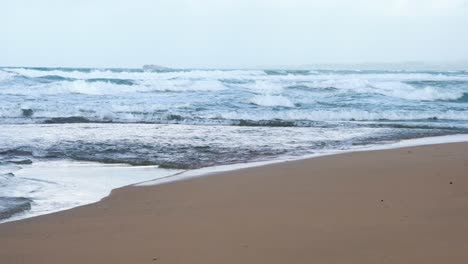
[{"x": 186, "y": 119}]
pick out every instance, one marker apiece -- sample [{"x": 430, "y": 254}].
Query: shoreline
[
  {"x": 407, "y": 143},
  {"x": 165, "y": 177},
  {"x": 401, "y": 205}
]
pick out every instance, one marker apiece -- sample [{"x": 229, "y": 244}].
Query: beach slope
[{"x": 406, "y": 205}]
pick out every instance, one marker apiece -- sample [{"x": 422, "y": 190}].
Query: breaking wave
[
  {"x": 4, "y": 75},
  {"x": 346, "y": 115},
  {"x": 98, "y": 87},
  {"x": 407, "y": 86},
  {"x": 271, "y": 101},
  {"x": 140, "y": 75},
  {"x": 36, "y": 95},
  {"x": 391, "y": 89}
]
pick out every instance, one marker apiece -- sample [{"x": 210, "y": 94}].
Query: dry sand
[{"x": 393, "y": 206}]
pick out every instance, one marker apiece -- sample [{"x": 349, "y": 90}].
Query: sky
[{"x": 230, "y": 33}]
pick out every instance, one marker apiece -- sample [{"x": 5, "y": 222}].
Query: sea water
[{"x": 177, "y": 120}]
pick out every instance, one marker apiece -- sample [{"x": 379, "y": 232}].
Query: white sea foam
[
  {"x": 394, "y": 89},
  {"x": 61, "y": 185},
  {"x": 139, "y": 75},
  {"x": 108, "y": 88},
  {"x": 388, "y": 84},
  {"x": 181, "y": 85},
  {"x": 139, "y": 108},
  {"x": 264, "y": 87},
  {"x": 149, "y": 113},
  {"x": 405, "y": 91},
  {"x": 4, "y": 75},
  {"x": 71, "y": 87},
  {"x": 343, "y": 115},
  {"x": 239, "y": 75},
  {"x": 373, "y": 77},
  {"x": 271, "y": 100}
]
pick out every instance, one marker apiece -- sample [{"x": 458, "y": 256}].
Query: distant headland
[{"x": 153, "y": 67}]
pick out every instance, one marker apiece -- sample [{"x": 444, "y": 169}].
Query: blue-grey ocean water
[{"x": 188, "y": 119}]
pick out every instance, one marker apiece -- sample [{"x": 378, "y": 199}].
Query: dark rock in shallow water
[
  {"x": 64, "y": 120},
  {"x": 175, "y": 117},
  {"x": 22, "y": 162},
  {"x": 27, "y": 112},
  {"x": 10, "y": 206}
]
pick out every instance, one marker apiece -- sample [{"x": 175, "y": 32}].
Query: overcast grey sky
[{"x": 229, "y": 33}]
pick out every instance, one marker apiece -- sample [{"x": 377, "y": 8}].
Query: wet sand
[{"x": 405, "y": 205}]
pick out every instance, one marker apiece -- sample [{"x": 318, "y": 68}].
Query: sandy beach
[{"x": 404, "y": 205}]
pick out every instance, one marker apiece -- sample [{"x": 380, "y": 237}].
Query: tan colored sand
[{"x": 392, "y": 206}]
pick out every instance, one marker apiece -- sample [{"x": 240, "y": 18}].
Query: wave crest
[
  {"x": 111, "y": 88},
  {"x": 394, "y": 89},
  {"x": 4, "y": 75},
  {"x": 408, "y": 92},
  {"x": 271, "y": 101}
]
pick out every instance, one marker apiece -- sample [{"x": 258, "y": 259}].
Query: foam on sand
[{"x": 57, "y": 186}]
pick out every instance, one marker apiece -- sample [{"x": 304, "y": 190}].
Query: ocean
[{"x": 56, "y": 123}]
